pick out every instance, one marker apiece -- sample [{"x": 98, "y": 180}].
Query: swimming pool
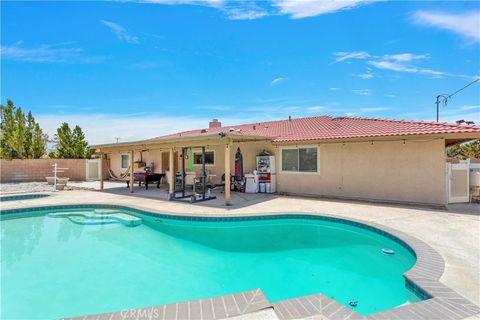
[
  {"x": 54, "y": 267},
  {"x": 22, "y": 197}
]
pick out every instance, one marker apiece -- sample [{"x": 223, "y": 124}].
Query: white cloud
[
  {"x": 60, "y": 52},
  {"x": 249, "y": 10},
  {"x": 232, "y": 9},
  {"x": 335, "y": 89},
  {"x": 344, "y": 56},
  {"x": 401, "y": 67},
  {"x": 297, "y": 9},
  {"x": 389, "y": 95},
  {"x": 470, "y": 107},
  {"x": 403, "y": 62},
  {"x": 104, "y": 128},
  {"x": 466, "y": 24},
  {"x": 212, "y": 3},
  {"x": 366, "y": 75},
  {"x": 315, "y": 108},
  {"x": 121, "y": 32},
  {"x": 450, "y": 114},
  {"x": 405, "y": 57},
  {"x": 362, "y": 92},
  {"x": 392, "y": 65},
  {"x": 277, "y": 81},
  {"x": 245, "y": 14}
]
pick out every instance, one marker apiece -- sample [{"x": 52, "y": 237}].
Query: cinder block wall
[{"x": 29, "y": 170}]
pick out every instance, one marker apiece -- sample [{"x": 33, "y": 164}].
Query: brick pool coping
[
  {"x": 423, "y": 278},
  {"x": 207, "y": 309}
]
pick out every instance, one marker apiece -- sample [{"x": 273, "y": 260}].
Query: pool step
[
  {"x": 95, "y": 217},
  {"x": 107, "y": 211},
  {"x": 86, "y": 221}
]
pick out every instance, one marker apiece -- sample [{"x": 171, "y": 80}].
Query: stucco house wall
[
  {"x": 413, "y": 171},
  {"x": 410, "y": 171},
  {"x": 115, "y": 159}
]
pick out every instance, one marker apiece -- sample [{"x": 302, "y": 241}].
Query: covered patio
[
  {"x": 237, "y": 199},
  {"x": 167, "y": 157}
]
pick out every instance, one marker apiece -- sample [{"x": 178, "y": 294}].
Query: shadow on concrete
[
  {"x": 238, "y": 199},
  {"x": 242, "y": 200}
]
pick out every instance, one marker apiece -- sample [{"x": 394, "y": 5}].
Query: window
[
  {"x": 303, "y": 159},
  {"x": 125, "y": 161},
  {"x": 290, "y": 159},
  {"x": 209, "y": 158}
]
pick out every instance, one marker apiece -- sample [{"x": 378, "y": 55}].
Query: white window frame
[
  {"x": 206, "y": 164},
  {"x": 121, "y": 162},
  {"x": 299, "y": 147}
]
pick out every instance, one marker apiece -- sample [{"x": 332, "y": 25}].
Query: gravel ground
[{"x": 24, "y": 187}]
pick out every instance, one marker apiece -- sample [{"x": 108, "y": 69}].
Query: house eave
[{"x": 230, "y": 136}]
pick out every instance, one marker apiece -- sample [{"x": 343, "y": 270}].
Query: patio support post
[
  {"x": 228, "y": 200},
  {"x": 101, "y": 171},
  {"x": 171, "y": 174},
  {"x": 131, "y": 170}
]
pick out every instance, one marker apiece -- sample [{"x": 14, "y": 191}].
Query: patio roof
[{"x": 232, "y": 135}]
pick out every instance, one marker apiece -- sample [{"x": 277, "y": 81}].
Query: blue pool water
[
  {"x": 22, "y": 197},
  {"x": 52, "y": 267}
]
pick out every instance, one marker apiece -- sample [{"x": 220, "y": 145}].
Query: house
[{"x": 341, "y": 157}]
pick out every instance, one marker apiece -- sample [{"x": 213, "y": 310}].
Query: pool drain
[
  {"x": 388, "y": 251},
  {"x": 353, "y": 303}
]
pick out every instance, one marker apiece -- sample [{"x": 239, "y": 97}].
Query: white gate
[
  {"x": 93, "y": 169},
  {"x": 458, "y": 181}
]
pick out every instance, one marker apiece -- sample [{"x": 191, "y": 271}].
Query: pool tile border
[
  {"x": 19, "y": 197},
  {"x": 205, "y": 309},
  {"x": 423, "y": 278}
]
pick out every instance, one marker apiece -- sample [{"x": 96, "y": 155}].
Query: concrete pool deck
[{"x": 455, "y": 236}]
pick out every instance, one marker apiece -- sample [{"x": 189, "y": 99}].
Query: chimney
[{"x": 215, "y": 124}]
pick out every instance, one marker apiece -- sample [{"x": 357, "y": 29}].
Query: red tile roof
[{"x": 327, "y": 127}]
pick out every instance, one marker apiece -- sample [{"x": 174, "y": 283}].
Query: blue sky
[{"x": 134, "y": 70}]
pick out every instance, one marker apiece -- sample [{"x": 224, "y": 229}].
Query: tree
[
  {"x": 7, "y": 128},
  {"x": 71, "y": 144},
  {"x": 17, "y": 134},
  {"x": 79, "y": 143},
  {"x": 39, "y": 142},
  {"x": 64, "y": 141},
  {"x": 28, "y": 142},
  {"x": 465, "y": 150}
]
